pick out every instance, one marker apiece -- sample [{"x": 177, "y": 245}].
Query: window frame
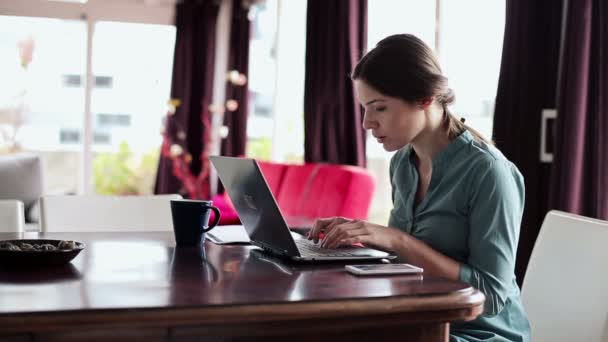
[{"x": 161, "y": 12}]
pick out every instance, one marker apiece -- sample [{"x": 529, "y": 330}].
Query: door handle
[{"x": 546, "y": 114}]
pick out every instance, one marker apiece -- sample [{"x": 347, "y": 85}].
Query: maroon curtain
[
  {"x": 236, "y": 121},
  {"x": 336, "y": 34},
  {"x": 184, "y": 166},
  {"x": 527, "y": 84},
  {"x": 580, "y": 166}
]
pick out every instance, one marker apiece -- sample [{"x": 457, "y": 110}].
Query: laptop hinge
[{"x": 270, "y": 249}]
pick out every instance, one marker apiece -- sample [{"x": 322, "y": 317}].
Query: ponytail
[{"x": 454, "y": 126}]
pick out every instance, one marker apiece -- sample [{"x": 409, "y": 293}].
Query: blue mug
[{"x": 191, "y": 220}]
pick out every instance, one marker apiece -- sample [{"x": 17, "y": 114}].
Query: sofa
[{"x": 305, "y": 192}]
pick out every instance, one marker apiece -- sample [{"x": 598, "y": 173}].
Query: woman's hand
[{"x": 340, "y": 231}]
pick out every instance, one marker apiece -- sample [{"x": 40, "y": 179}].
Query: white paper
[{"x": 222, "y": 235}]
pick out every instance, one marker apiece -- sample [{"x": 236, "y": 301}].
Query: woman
[{"x": 457, "y": 201}]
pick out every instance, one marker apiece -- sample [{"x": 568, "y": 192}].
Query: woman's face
[{"x": 393, "y": 122}]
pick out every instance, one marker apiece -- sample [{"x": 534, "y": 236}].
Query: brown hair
[{"x": 404, "y": 67}]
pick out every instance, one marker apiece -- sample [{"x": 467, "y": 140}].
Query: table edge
[{"x": 461, "y": 305}]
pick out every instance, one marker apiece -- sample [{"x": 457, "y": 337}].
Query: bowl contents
[{"x": 63, "y": 245}]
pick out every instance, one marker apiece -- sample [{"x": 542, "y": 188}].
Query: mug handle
[{"x": 216, "y": 219}]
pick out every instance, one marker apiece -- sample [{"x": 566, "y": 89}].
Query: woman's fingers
[
  {"x": 356, "y": 231},
  {"x": 343, "y": 231},
  {"x": 324, "y": 225},
  {"x": 329, "y": 233},
  {"x": 352, "y": 236},
  {"x": 318, "y": 227}
]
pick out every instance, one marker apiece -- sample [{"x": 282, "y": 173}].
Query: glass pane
[
  {"x": 385, "y": 18},
  {"x": 388, "y": 17},
  {"x": 471, "y": 39},
  {"x": 132, "y": 65},
  {"x": 262, "y": 79},
  {"x": 42, "y": 62},
  {"x": 275, "y": 129},
  {"x": 289, "y": 104}
]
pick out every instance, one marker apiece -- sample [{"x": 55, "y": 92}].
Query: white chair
[
  {"x": 21, "y": 178},
  {"x": 106, "y": 213},
  {"x": 565, "y": 290},
  {"x": 11, "y": 216}
]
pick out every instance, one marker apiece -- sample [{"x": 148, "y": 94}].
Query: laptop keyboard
[{"x": 308, "y": 248}]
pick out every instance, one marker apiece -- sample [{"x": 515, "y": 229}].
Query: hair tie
[{"x": 462, "y": 120}]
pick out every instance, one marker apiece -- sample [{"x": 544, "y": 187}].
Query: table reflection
[
  {"x": 39, "y": 276},
  {"x": 41, "y": 288},
  {"x": 146, "y": 270}
]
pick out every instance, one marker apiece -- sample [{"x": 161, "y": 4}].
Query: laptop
[{"x": 263, "y": 221}]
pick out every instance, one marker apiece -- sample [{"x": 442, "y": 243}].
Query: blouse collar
[{"x": 447, "y": 153}]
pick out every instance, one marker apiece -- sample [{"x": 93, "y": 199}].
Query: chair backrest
[
  {"x": 21, "y": 178},
  {"x": 322, "y": 190},
  {"x": 11, "y": 216},
  {"x": 565, "y": 290},
  {"x": 106, "y": 213}
]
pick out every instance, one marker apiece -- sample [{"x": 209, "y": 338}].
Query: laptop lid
[
  {"x": 255, "y": 204},
  {"x": 261, "y": 216}
]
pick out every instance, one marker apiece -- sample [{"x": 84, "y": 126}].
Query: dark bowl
[{"x": 20, "y": 259}]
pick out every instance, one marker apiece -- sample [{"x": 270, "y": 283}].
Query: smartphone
[{"x": 383, "y": 269}]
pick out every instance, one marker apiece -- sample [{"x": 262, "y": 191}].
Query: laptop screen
[{"x": 255, "y": 204}]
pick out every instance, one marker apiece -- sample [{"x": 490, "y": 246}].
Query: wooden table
[{"x": 138, "y": 286}]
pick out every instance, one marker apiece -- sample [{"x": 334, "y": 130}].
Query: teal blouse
[{"x": 471, "y": 213}]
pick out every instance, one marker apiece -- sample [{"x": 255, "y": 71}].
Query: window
[
  {"x": 131, "y": 100},
  {"x": 470, "y": 57},
  {"x": 262, "y": 79},
  {"x": 386, "y": 18},
  {"x": 103, "y": 82},
  {"x": 69, "y": 136},
  {"x": 43, "y": 90},
  {"x": 49, "y": 111},
  {"x": 72, "y": 81},
  {"x": 276, "y": 81},
  {"x": 467, "y": 38},
  {"x": 113, "y": 120}
]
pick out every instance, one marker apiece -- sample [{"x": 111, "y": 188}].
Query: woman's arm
[
  {"x": 418, "y": 253},
  {"x": 343, "y": 232},
  {"x": 496, "y": 208}
]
